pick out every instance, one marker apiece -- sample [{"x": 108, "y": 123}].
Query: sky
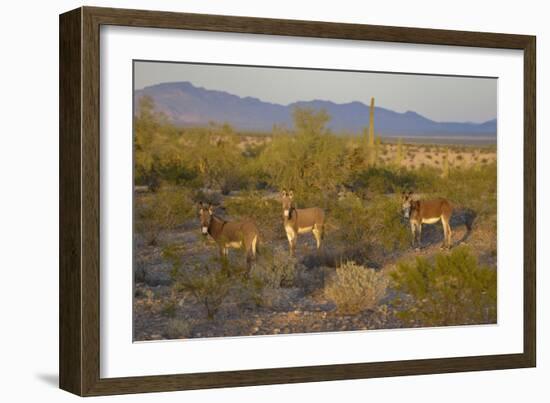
[{"x": 440, "y": 98}]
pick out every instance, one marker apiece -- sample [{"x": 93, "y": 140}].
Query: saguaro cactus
[
  {"x": 370, "y": 141},
  {"x": 399, "y": 153},
  {"x": 371, "y": 124}
]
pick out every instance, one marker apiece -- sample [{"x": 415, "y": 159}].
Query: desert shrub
[
  {"x": 169, "y": 309},
  {"x": 451, "y": 290},
  {"x": 355, "y": 288},
  {"x": 159, "y": 148},
  {"x": 216, "y": 158},
  {"x": 308, "y": 160},
  {"x": 179, "y": 328},
  {"x": 474, "y": 188},
  {"x": 262, "y": 286},
  {"x": 207, "y": 196},
  {"x": 274, "y": 272},
  {"x": 266, "y": 212},
  {"x": 208, "y": 284},
  {"x": 162, "y": 210},
  {"x": 381, "y": 180},
  {"x": 350, "y": 215},
  {"x": 385, "y": 229},
  {"x": 376, "y": 224}
]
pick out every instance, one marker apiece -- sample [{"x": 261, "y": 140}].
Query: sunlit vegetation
[
  {"x": 357, "y": 179},
  {"x": 450, "y": 290}
]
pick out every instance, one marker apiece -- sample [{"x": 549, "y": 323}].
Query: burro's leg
[
  {"x": 447, "y": 232},
  {"x": 293, "y": 246},
  {"x": 413, "y": 232},
  {"x": 251, "y": 245},
  {"x": 254, "y": 245},
  {"x": 419, "y": 234},
  {"x": 291, "y": 236},
  {"x": 248, "y": 262},
  {"x": 317, "y": 233}
]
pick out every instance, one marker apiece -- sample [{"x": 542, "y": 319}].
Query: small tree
[{"x": 308, "y": 160}]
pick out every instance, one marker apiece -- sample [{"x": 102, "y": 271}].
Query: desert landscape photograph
[{"x": 273, "y": 200}]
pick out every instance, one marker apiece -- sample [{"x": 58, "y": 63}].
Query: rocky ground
[{"x": 300, "y": 306}]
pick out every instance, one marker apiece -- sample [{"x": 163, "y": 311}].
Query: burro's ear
[
  {"x": 291, "y": 194},
  {"x": 284, "y": 193},
  {"x": 200, "y": 205},
  {"x": 210, "y": 208}
]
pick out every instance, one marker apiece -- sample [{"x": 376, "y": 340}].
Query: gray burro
[
  {"x": 300, "y": 221},
  {"x": 229, "y": 234}
]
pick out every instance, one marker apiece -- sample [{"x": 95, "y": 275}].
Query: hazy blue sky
[{"x": 440, "y": 98}]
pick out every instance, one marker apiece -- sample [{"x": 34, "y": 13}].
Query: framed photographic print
[{"x": 249, "y": 201}]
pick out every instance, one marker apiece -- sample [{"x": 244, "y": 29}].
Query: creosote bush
[
  {"x": 451, "y": 290},
  {"x": 355, "y": 288}
]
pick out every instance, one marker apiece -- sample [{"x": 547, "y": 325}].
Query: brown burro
[
  {"x": 420, "y": 212},
  {"x": 229, "y": 234},
  {"x": 300, "y": 221}
]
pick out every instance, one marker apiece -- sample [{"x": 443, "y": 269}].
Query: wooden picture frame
[{"x": 79, "y": 316}]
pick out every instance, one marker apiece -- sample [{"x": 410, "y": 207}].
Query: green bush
[
  {"x": 376, "y": 181},
  {"x": 385, "y": 229},
  {"x": 209, "y": 285},
  {"x": 163, "y": 210},
  {"x": 274, "y": 272},
  {"x": 178, "y": 328},
  {"x": 376, "y": 223},
  {"x": 451, "y": 290},
  {"x": 308, "y": 160},
  {"x": 350, "y": 215},
  {"x": 474, "y": 188},
  {"x": 355, "y": 288},
  {"x": 267, "y": 213}
]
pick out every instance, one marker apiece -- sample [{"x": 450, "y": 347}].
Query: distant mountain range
[{"x": 187, "y": 105}]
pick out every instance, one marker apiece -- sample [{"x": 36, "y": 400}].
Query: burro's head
[
  {"x": 406, "y": 203},
  {"x": 205, "y": 216},
  {"x": 287, "y": 199}
]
